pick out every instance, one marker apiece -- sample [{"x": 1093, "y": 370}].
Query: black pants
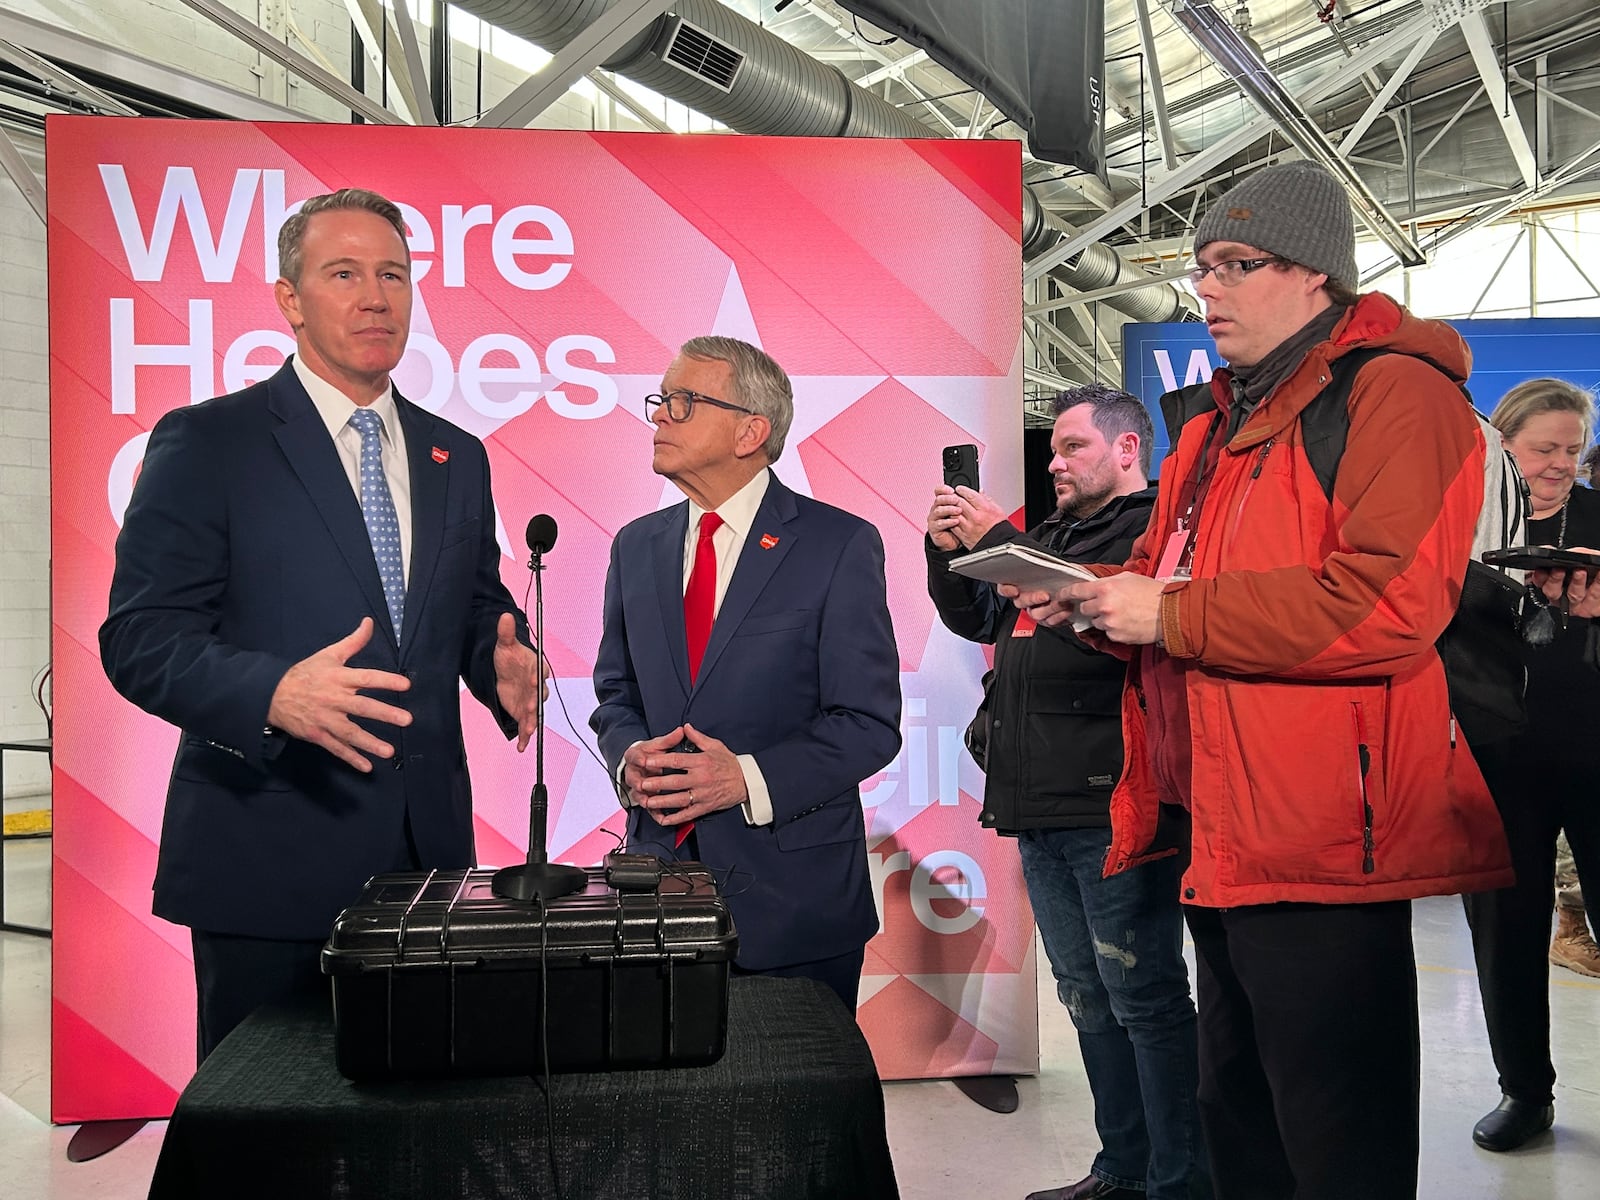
[
  {"x": 236, "y": 975},
  {"x": 1310, "y": 1058},
  {"x": 1511, "y": 927}
]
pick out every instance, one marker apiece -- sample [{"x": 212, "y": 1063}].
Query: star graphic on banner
[{"x": 818, "y": 399}]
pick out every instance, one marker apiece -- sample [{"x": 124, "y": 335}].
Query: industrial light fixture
[
  {"x": 1218, "y": 37},
  {"x": 1242, "y": 22}
]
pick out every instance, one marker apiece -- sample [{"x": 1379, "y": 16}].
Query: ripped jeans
[{"x": 1116, "y": 948}]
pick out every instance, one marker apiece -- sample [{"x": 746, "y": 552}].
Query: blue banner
[{"x": 1158, "y": 358}]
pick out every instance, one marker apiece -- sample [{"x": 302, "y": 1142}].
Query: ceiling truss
[{"x": 1446, "y": 110}]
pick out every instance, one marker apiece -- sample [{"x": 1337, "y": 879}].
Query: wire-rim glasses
[
  {"x": 1231, "y": 270},
  {"x": 680, "y": 404}
]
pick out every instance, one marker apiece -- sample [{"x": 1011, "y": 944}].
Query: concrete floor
[{"x": 943, "y": 1144}]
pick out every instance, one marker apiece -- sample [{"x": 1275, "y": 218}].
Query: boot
[{"x": 1573, "y": 947}]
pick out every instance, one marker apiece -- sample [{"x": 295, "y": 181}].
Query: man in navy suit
[
  {"x": 750, "y": 625},
  {"x": 298, "y": 588}
]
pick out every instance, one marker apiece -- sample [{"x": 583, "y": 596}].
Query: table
[
  {"x": 38, "y": 746},
  {"x": 793, "y": 1109}
]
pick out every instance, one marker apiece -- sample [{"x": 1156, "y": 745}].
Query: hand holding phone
[{"x": 961, "y": 466}]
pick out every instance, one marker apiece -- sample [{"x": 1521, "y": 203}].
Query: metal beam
[
  {"x": 1212, "y": 32},
  {"x": 92, "y": 55},
  {"x": 1466, "y": 106},
  {"x": 890, "y": 70},
  {"x": 1104, "y": 293},
  {"x": 1352, "y": 136},
  {"x": 1483, "y": 55},
  {"x": 1158, "y": 91},
  {"x": 1549, "y": 95},
  {"x": 603, "y": 81},
  {"x": 1199, "y": 166},
  {"x": 608, "y": 33},
  {"x": 1047, "y": 378},
  {"x": 1565, "y": 253},
  {"x": 1063, "y": 343},
  {"x": 302, "y": 66},
  {"x": 1495, "y": 274},
  {"x": 22, "y": 175},
  {"x": 64, "y": 81},
  {"x": 413, "y": 60},
  {"x": 373, "y": 27},
  {"x": 1580, "y": 164}
]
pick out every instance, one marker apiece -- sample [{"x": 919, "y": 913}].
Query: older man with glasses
[
  {"x": 747, "y": 679},
  {"x": 1285, "y": 693}
]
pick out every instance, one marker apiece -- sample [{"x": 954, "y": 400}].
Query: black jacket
[{"x": 1054, "y": 704}]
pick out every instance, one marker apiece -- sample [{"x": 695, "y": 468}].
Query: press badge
[
  {"x": 1172, "y": 564},
  {"x": 1025, "y": 625}
]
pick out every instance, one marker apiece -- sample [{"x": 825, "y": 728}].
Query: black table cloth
[{"x": 793, "y": 1109}]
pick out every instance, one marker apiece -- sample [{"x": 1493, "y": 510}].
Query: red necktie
[
  {"x": 700, "y": 597},
  {"x": 699, "y": 608}
]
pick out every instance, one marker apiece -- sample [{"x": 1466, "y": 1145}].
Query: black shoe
[
  {"x": 1089, "y": 1188},
  {"x": 1511, "y": 1123}
]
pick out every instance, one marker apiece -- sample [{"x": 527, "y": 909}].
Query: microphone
[
  {"x": 541, "y": 534},
  {"x": 538, "y": 878}
]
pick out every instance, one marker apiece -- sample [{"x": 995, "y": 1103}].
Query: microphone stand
[{"x": 538, "y": 878}]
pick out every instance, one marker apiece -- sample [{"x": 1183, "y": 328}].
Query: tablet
[
  {"x": 1542, "y": 558},
  {"x": 1028, "y": 568}
]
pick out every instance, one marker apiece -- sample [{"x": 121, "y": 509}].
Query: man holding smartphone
[{"x": 1050, "y": 737}]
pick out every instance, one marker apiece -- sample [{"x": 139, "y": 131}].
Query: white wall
[{"x": 24, "y": 482}]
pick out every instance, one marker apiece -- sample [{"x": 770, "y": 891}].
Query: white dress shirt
[
  {"x": 334, "y": 407},
  {"x": 738, "y": 513}
]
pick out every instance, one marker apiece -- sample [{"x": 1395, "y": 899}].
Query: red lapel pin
[
  {"x": 768, "y": 541},
  {"x": 440, "y": 456}
]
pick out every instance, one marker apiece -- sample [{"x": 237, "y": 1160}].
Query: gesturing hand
[
  {"x": 317, "y": 697},
  {"x": 520, "y": 676}
]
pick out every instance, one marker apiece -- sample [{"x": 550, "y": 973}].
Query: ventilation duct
[
  {"x": 703, "y": 56},
  {"x": 753, "y": 81}
]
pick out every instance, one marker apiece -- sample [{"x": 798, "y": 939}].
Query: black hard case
[{"x": 435, "y": 975}]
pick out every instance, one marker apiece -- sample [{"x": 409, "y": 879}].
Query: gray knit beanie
[{"x": 1296, "y": 210}]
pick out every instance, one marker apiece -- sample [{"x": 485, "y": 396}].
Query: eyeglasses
[
  {"x": 1231, "y": 270},
  {"x": 680, "y": 404}
]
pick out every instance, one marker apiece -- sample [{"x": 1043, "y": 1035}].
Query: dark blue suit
[
  {"x": 243, "y": 551},
  {"x": 801, "y": 671}
]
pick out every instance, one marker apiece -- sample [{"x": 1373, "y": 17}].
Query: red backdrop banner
[{"x": 556, "y": 275}]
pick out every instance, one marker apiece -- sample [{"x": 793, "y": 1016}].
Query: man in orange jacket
[{"x": 1284, "y": 691}]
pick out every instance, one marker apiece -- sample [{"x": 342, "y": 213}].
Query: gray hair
[
  {"x": 1534, "y": 397},
  {"x": 292, "y": 235},
  {"x": 759, "y": 384},
  {"x": 1115, "y": 413}
]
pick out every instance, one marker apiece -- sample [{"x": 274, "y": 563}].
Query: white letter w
[{"x": 148, "y": 260}]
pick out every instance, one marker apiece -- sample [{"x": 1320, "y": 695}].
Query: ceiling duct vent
[{"x": 693, "y": 50}]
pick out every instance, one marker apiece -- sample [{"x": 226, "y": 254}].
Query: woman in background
[{"x": 1543, "y": 779}]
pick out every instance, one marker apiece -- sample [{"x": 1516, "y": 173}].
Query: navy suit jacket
[
  {"x": 801, "y": 671},
  {"x": 243, "y": 551}
]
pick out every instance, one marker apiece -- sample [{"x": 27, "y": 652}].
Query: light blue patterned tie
[{"x": 377, "y": 508}]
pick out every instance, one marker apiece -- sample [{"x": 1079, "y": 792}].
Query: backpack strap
[{"x": 1325, "y": 421}]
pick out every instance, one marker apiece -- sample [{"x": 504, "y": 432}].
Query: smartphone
[
  {"x": 1535, "y": 558},
  {"x": 961, "y": 466}
]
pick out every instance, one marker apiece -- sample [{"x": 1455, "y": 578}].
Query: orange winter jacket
[{"x": 1322, "y": 761}]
